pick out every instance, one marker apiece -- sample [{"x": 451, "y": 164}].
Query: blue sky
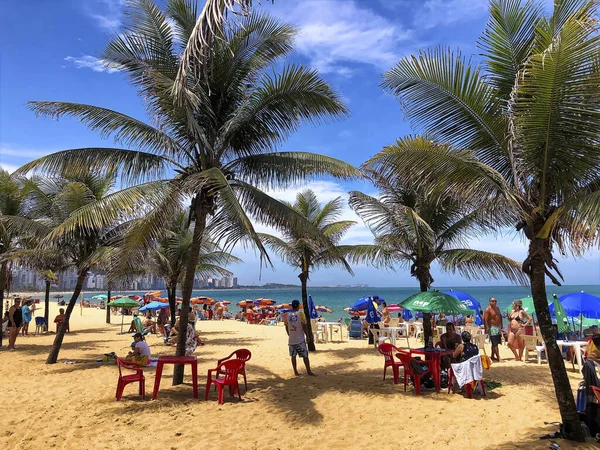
[{"x": 49, "y": 51}]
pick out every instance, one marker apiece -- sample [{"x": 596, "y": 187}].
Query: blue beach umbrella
[
  {"x": 581, "y": 303},
  {"x": 467, "y": 299},
  {"x": 362, "y": 303},
  {"x": 372, "y": 314},
  {"x": 311, "y": 308},
  {"x": 153, "y": 306},
  {"x": 406, "y": 314}
]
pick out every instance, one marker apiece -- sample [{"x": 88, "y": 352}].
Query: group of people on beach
[{"x": 17, "y": 318}]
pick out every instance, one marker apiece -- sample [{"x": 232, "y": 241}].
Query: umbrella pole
[
  {"x": 122, "y": 317},
  {"x": 580, "y": 325}
]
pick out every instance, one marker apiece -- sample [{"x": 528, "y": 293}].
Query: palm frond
[
  {"x": 444, "y": 95},
  {"x": 507, "y": 41},
  {"x": 278, "y": 106},
  {"x": 480, "y": 265},
  {"x": 134, "y": 166},
  {"x": 556, "y": 107},
  {"x": 373, "y": 255},
  {"x": 125, "y": 130},
  {"x": 276, "y": 170}
]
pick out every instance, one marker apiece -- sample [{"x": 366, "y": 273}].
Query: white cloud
[
  {"x": 434, "y": 13},
  {"x": 334, "y": 33},
  {"x": 23, "y": 152},
  {"x": 8, "y": 167},
  {"x": 106, "y": 13},
  {"x": 91, "y": 62}
]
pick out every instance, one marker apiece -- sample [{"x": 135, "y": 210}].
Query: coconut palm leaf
[
  {"x": 507, "y": 41},
  {"x": 134, "y": 166},
  {"x": 480, "y": 265},
  {"x": 440, "y": 85},
  {"x": 123, "y": 129},
  {"x": 285, "y": 168}
]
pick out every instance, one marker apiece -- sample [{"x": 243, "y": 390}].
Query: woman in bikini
[{"x": 517, "y": 324}]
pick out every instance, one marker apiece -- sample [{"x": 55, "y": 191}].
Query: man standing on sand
[
  {"x": 15, "y": 319},
  {"x": 295, "y": 327},
  {"x": 492, "y": 319}
]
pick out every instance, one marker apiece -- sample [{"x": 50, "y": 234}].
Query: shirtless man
[{"x": 492, "y": 318}]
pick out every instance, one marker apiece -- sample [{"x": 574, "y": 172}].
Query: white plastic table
[
  {"x": 577, "y": 345},
  {"x": 391, "y": 332},
  {"x": 329, "y": 329}
]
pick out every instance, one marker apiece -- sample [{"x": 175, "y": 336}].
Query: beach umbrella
[
  {"x": 100, "y": 297},
  {"x": 372, "y": 315},
  {"x": 394, "y": 308},
  {"x": 361, "y": 303},
  {"x": 225, "y": 303},
  {"x": 406, "y": 314},
  {"x": 153, "y": 306},
  {"x": 323, "y": 309},
  {"x": 467, "y": 299},
  {"x": 123, "y": 302},
  {"x": 527, "y": 305},
  {"x": 435, "y": 302},
  {"x": 312, "y": 311},
  {"x": 581, "y": 303},
  {"x": 58, "y": 296},
  {"x": 561, "y": 316}
]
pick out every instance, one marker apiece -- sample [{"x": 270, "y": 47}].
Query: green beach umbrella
[
  {"x": 561, "y": 317},
  {"x": 435, "y": 302},
  {"x": 527, "y": 305},
  {"x": 123, "y": 302}
]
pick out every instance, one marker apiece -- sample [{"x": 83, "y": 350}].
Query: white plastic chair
[{"x": 479, "y": 340}]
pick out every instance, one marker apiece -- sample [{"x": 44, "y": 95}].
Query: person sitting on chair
[
  {"x": 594, "y": 354},
  {"x": 148, "y": 323},
  {"x": 140, "y": 353},
  {"x": 448, "y": 341},
  {"x": 465, "y": 350}
]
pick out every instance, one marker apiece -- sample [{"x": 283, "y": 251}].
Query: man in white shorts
[{"x": 295, "y": 327}]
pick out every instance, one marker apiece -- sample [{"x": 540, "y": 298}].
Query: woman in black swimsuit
[
  {"x": 517, "y": 325},
  {"x": 15, "y": 319}
]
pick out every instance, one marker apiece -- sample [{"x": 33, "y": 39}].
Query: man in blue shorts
[
  {"x": 295, "y": 327},
  {"x": 492, "y": 318}
]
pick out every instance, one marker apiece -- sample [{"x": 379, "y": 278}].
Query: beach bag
[
  {"x": 581, "y": 398},
  {"x": 416, "y": 367}
]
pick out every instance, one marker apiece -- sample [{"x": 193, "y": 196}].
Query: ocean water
[{"x": 337, "y": 299}]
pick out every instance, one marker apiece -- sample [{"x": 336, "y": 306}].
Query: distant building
[{"x": 235, "y": 282}]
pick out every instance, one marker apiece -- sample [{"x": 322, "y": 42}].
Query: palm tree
[
  {"x": 168, "y": 258},
  {"x": 524, "y": 128},
  {"x": 11, "y": 203},
  {"x": 416, "y": 228},
  {"x": 217, "y": 140},
  {"x": 51, "y": 206},
  {"x": 307, "y": 253}
]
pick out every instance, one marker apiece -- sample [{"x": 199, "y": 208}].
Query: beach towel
[
  {"x": 486, "y": 362},
  {"x": 468, "y": 371}
]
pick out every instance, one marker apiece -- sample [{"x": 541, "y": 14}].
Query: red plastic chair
[
  {"x": 243, "y": 355},
  {"x": 405, "y": 358},
  {"x": 596, "y": 392},
  {"x": 231, "y": 369},
  {"x": 124, "y": 380},
  {"x": 468, "y": 386},
  {"x": 387, "y": 350}
]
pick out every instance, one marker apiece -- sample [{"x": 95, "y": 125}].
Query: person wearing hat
[
  {"x": 466, "y": 350},
  {"x": 140, "y": 353},
  {"x": 295, "y": 327}
]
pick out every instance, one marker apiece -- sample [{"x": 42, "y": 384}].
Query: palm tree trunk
[
  {"x": 47, "y": 305},
  {"x": 107, "y": 308},
  {"x": 562, "y": 386},
  {"x": 60, "y": 334},
  {"x": 172, "y": 294},
  {"x": 2, "y": 288},
  {"x": 427, "y": 332},
  {"x": 188, "y": 287},
  {"x": 311, "y": 339}
]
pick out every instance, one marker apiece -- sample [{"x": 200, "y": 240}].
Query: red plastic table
[
  {"x": 435, "y": 355},
  {"x": 162, "y": 360}
]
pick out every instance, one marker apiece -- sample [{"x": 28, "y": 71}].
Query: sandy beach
[{"x": 72, "y": 406}]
